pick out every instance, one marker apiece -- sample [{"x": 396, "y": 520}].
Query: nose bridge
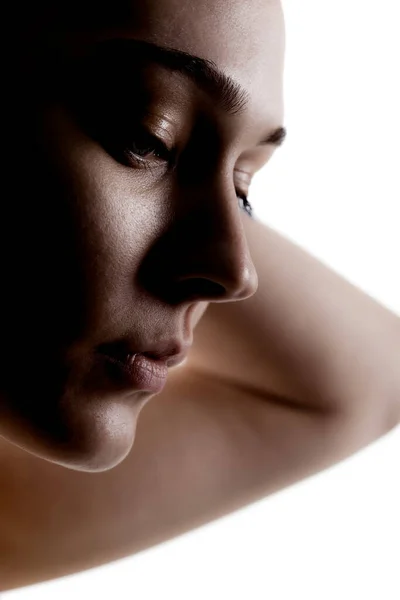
[{"x": 217, "y": 247}]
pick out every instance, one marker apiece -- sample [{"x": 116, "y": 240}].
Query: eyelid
[
  {"x": 244, "y": 176},
  {"x": 163, "y": 156},
  {"x": 160, "y": 128}
]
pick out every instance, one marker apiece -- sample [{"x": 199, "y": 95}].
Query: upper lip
[{"x": 172, "y": 352}]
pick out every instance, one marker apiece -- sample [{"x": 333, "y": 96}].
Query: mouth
[
  {"x": 144, "y": 370},
  {"x": 171, "y": 353}
]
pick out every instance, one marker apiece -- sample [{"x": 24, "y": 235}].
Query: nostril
[{"x": 198, "y": 288}]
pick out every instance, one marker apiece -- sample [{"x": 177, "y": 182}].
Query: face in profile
[{"x": 131, "y": 144}]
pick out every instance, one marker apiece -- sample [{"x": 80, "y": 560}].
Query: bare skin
[
  {"x": 291, "y": 369},
  {"x": 136, "y": 249}
]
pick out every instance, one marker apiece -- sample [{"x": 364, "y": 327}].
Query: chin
[{"x": 86, "y": 440}]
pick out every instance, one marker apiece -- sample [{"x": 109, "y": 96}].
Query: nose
[{"x": 206, "y": 255}]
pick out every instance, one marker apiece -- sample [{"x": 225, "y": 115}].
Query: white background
[{"x": 334, "y": 188}]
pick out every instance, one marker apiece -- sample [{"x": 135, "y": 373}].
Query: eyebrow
[{"x": 229, "y": 94}]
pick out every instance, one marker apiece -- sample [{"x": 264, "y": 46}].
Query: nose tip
[
  {"x": 246, "y": 285},
  {"x": 229, "y": 262},
  {"x": 248, "y": 282},
  {"x": 224, "y": 274}
]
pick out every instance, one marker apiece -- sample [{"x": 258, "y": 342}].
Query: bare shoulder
[
  {"x": 204, "y": 447},
  {"x": 232, "y": 425}
]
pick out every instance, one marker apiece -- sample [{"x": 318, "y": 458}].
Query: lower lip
[{"x": 144, "y": 373}]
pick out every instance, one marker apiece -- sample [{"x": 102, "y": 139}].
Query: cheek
[
  {"x": 116, "y": 204},
  {"x": 116, "y": 213},
  {"x": 119, "y": 218}
]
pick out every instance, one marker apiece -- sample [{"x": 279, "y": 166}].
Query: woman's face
[{"x": 126, "y": 165}]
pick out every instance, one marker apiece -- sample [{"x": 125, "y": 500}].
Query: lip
[
  {"x": 141, "y": 370},
  {"x": 172, "y": 353},
  {"x": 142, "y": 373},
  {"x": 171, "y": 360}
]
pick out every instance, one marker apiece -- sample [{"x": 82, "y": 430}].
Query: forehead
[{"x": 244, "y": 39}]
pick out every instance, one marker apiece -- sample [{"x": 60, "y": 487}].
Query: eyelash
[
  {"x": 247, "y": 207},
  {"x": 157, "y": 149}
]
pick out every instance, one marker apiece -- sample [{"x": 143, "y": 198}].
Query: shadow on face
[{"x": 132, "y": 139}]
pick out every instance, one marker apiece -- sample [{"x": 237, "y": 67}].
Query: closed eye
[{"x": 146, "y": 149}]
